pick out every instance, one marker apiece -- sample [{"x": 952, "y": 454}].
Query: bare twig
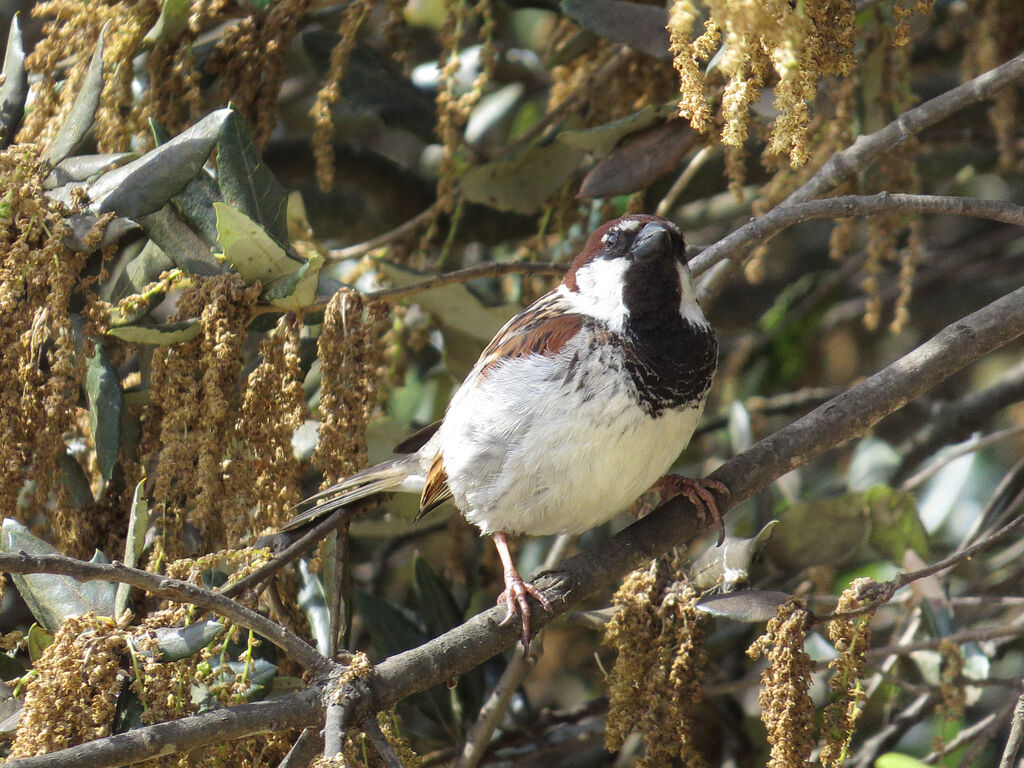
[
  {"x": 1016, "y": 736},
  {"x": 491, "y": 269},
  {"x": 970, "y": 446},
  {"x": 170, "y": 589},
  {"x": 980, "y": 728},
  {"x": 977, "y": 634},
  {"x": 305, "y": 749},
  {"x": 680, "y": 184},
  {"x": 866, "y": 149},
  {"x": 372, "y": 729},
  {"x": 403, "y": 230},
  {"x": 293, "y": 551},
  {"x": 883, "y": 592},
  {"x": 761, "y": 229},
  {"x": 956, "y": 419}
]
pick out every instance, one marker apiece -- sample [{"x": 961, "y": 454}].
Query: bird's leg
[
  {"x": 516, "y": 590},
  {"x": 699, "y": 492}
]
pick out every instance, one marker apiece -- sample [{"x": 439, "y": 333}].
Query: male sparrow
[{"x": 579, "y": 404}]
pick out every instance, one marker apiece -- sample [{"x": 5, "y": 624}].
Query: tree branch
[
  {"x": 299, "y": 710},
  {"x": 761, "y": 229},
  {"x": 171, "y": 589},
  {"x": 844, "y": 417},
  {"x": 840, "y": 419}
]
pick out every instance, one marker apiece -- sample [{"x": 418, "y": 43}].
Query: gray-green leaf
[
  {"x": 14, "y": 90},
  {"x": 147, "y": 184},
  {"x": 80, "y": 119}
]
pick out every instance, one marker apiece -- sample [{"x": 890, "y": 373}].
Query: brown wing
[
  {"x": 436, "y": 491},
  {"x": 543, "y": 328}
]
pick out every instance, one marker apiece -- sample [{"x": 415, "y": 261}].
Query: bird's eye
[{"x": 611, "y": 239}]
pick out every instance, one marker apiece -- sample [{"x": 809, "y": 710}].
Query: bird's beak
[{"x": 654, "y": 240}]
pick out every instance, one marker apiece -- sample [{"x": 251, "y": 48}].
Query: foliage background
[{"x": 423, "y": 137}]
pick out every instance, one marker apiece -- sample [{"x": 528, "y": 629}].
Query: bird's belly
[{"x": 566, "y": 469}]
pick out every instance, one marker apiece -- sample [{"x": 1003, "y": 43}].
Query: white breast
[{"x": 531, "y": 449}]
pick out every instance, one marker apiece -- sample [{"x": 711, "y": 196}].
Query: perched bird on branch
[{"x": 579, "y": 405}]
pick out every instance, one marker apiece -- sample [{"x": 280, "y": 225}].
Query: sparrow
[{"x": 579, "y": 405}]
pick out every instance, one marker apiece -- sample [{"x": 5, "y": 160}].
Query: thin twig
[
  {"x": 402, "y": 231},
  {"x": 295, "y": 550},
  {"x": 965, "y": 735},
  {"x": 763, "y": 228},
  {"x": 372, "y": 729},
  {"x": 883, "y": 592},
  {"x": 696, "y": 163},
  {"x": 971, "y": 446},
  {"x": 304, "y": 750},
  {"x": 491, "y": 269},
  {"x": 1016, "y": 735},
  {"x": 977, "y": 634},
  {"x": 170, "y": 589}
]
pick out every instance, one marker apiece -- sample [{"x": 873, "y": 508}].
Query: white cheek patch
[
  {"x": 600, "y": 284},
  {"x": 689, "y": 309}
]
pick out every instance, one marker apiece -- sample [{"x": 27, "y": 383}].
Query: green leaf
[
  {"x": 180, "y": 242},
  {"x": 147, "y": 184},
  {"x": 161, "y": 335},
  {"x": 74, "y": 479},
  {"x": 641, "y": 27},
  {"x": 103, "y": 391},
  {"x": 247, "y": 184},
  {"x": 297, "y": 290},
  {"x": 898, "y": 760},
  {"x": 195, "y": 202},
  {"x": 173, "y": 20},
  {"x": 728, "y": 566},
  {"x": 50, "y": 597},
  {"x": 39, "y": 640},
  {"x": 83, "y": 167},
  {"x": 143, "y": 269},
  {"x": 819, "y": 531},
  {"x": 134, "y": 544},
  {"x": 249, "y": 249},
  {"x": 80, "y": 119},
  {"x": 14, "y": 90},
  {"x": 436, "y": 603},
  {"x": 600, "y": 140},
  {"x": 523, "y": 183},
  {"x": 392, "y": 631},
  {"x": 895, "y": 524}
]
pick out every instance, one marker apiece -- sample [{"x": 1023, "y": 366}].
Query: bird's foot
[
  {"x": 700, "y": 493},
  {"x": 517, "y": 591}
]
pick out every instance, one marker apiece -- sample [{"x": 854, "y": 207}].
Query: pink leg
[
  {"x": 699, "y": 492},
  {"x": 516, "y": 590}
]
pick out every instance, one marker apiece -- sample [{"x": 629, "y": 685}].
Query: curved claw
[
  {"x": 516, "y": 592},
  {"x": 699, "y": 493}
]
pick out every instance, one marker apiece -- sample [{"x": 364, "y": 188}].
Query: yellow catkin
[
  {"x": 655, "y": 687},
  {"x": 786, "y": 707},
  {"x": 851, "y": 637},
  {"x": 323, "y": 134}
]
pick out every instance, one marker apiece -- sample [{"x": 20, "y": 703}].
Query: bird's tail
[{"x": 391, "y": 475}]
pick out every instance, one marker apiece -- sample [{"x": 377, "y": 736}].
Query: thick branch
[
  {"x": 459, "y": 650},
  {"x": 841, "y": 419},
  {"x": 171, "y": 589},
  {"x": 299, "y": 710}
]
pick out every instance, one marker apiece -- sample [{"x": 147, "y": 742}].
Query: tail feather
[{"x": 380, "y": 478}]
